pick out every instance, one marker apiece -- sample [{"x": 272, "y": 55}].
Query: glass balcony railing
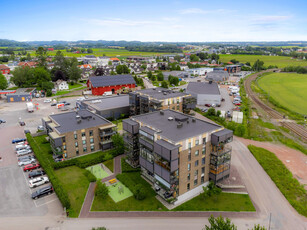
[{"x": 220, "y": 150}]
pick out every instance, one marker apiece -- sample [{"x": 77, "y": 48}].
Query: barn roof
[{"x": 100, "y": 81}]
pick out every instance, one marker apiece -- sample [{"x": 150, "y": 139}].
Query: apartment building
[
  {"x": 178, "y": 153},
  {"x": 76, "y": 133},
  {"x": 149, "y": 100}
]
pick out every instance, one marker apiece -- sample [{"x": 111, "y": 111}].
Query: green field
[
  {"x": 280, "y": 61},
  {"x": 101, "y": 51},
  {"x": 288, "y": 89}
]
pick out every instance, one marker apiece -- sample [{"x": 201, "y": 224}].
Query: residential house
[
  {"x": 4, "y": 69},
  {"x": 61, "y": 85}
]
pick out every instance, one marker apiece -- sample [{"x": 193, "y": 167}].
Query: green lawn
[
  {"x": 97, "y": 171},
  {"x": 76, "y": 185},
  {"x": 74, "y": 86},
  {"x": 223, "y": 202},
  {"x": 288, "y": 89},
  {"x": 63, "y": 92},
  {"x": 119, "y": 124},
  {"x": 283, "y": 178},
  {"x": 109, "y": 164},
  {"x": 119, "y": 192},
  {"x": 280, "y": 61}
]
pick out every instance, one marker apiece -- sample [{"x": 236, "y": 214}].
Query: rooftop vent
[
  {"x": 161, "y": 112},
  {"x": 79, "y": 121},
  {"x": 193, "y": 120},
  {"x": 159, "y": 91},
  {"x": 78, "y": 117},
  {"x": 179, "y": 125},
  {"x": 170, "y": 118},
  {"x": 182, "y": 119},
  {"x": 164, "y": 93}
]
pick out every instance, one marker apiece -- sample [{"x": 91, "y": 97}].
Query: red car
[
  {"x": 208, "y": 105},
  {"x": 31, "y": 167}
]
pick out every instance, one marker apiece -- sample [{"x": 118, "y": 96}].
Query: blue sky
[{"x": 270, "y": 20}]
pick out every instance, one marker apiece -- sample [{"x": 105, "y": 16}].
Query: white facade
[
  {"x": 200, "y": 71},
  {"x": 62, "y": 85}
]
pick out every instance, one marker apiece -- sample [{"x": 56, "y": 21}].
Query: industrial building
[
  {"x": 218, "y": 75},
  {"x": 113, "y": 83},
  {"x": 21, "y": 94},
  {"x": 205, "y": 93},
  {"x": 156, "y": 141},
  {"x": 108, "y": 107},
  {"x": 77, "y": 133},
  {"x": 149, "y": 100}
]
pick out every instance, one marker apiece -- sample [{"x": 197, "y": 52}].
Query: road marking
[
  {"x": 26, "y": 180},
  {"x": 45, "y": 202}
]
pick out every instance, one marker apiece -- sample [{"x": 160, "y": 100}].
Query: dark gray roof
[
  {"x": 223, "y": 132},
  {"x": 104, "y": 103},
  {"x": 68, "y": 121},
  {"x": 217, "y": 75},
  {"x": 167, "y": 144},
  {"x": 160, "y": 93},
  {"x": 169, "y": 129},
  {"x": 203, "y": 88},
  {"x": 99, "y": 81},
  {"x": 24, "y": 91}
]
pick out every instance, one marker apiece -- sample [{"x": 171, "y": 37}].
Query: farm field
[
  {"x": 280, "y": 61},
  {"x": 107, "y": 51},
  {"x": 288, "y": 89}
]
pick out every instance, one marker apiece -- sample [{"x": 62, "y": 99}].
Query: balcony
[
  {"x": 107, "y": 133},
  {"x": 219, "y": 151},
  {"x": 103, "y": 142}
]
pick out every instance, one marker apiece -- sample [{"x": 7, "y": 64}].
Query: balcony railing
[
  {"x": 221, "y": 150},
  {"x": 106, "y": 141},
  {"x": 109, "y": 133}
]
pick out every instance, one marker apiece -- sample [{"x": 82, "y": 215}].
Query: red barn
[
  {"x": 113, "y": 83},
  {"x": 4, "y": 69},
  {"x": 50, "y": 49}
]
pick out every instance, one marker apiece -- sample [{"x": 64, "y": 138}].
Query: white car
[
  {"x": 80, "y": 99},
  {"x": 24, "y": 152},
  {"x": 47, "y": 100},
  {"x": 26, "y": 162},
  {"x": 38, "y": 181},
  {"x": 20, "y": 147}
]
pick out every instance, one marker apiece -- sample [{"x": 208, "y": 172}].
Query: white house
[{"x": 61, "y": 85}]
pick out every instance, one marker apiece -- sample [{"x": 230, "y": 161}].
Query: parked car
[
  {"x": 42, "y": 192},
  {"x": 157, "y": 188},
  {"x": 26, "y": 162},
  {"x": 167, "y": 195},
  {"x": 36, "y": 174},
  {"x": 230, "y": 94},
  {"x": 47, "y": 100},
  {"x": 223, "y": 99},
  {"x": 58, "y": 158},
  {"x": 17, "y": 140},
  {"x": 23, "y": 152},
  {"x": 22, "y": 123},
  {"x": 208, "y": 105},
  {"x": 237, "y": 103},
  {"x": 21, "y": 147},
  {"x": 53, "y": 104},
  {"x": 2, "y": 121},
  {"x": 40, "y": 128},
  {"x": 24, "y": 158},
  {"x": 213, "y": 105},
  {"x": 38, "y": 181},
  {"x": 30, "y": 167}
]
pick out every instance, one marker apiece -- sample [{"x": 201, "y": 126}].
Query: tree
[
  {"x": 153, "y": 78},
  {"x": 203, "y": 56},
  {"x": 28, "y": 58},
  {"x": 126, "y": 70},
  {"x": 248, "y": 63},
  {"x": 89, "y": 50},
  {"x": 118, "y": 145},
  {"x": 144, "y": 66},
  {"x": 41, "y": 75},
  {"x": 149, "y": 74},
  {"x": 21, "y": 75},
  {"x": 240, "y": 130},
  {"x": 47, "y": 86},
  {"x": 258, "y": 227},
  {"x": 211, "y": 190},
  {"x": 41, "y": 55},
  {"x": 220, "y": 224},
  {"x": 234, "y": 61},
  {"x": 164, "y": 84},
  {"x": 215, "y": 56},
  {"x": 211, "y": 112},
  {"x": 177, "y": 58},
  {"x": 3, "y": 82},
  {"x": 110, "y": 63},
  {"x": 101, "y": 190},
  {"x": 258, "y": 65},
  {"x": 194, "y": 57},
  {"x": 74, "y": 72},
  {"x": 160, "y": 76}
]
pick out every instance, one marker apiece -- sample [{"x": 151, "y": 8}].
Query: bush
[
  {"x": 49, "y": 93},
  {"x": 139, "y": 192},
  {"x": 101, "y": 190},
  {"x": 127, "y": 168},
  {"x": 89, "y": 176}
]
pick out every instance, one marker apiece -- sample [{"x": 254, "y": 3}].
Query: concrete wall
[{"x": 203, "y": 99}]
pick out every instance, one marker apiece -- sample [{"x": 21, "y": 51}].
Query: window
[
  {"x": 64, "y": 147},
  {"x": 189, "y": 176},
  {"x": 196, "y": 163},
  {"x": 84, "y": 142},
  {"x": 91, "y": 140},
  {"x": 84, "y": 149},
  {"x": 196, "y": 153},
  {"x": 92, "y": 147},
  {"x": 76, "y": 136},
  {"x": 189, "y": 145},
  {"x": 202, "y": 180},
  {"x": 189, "y": 167},
  {"x": 63, "y": 139},
  {"x": 189, "y": 155},
  {"x": 77, "y": 152},
  {"x": 203, "y": 160},
  {"x": 204, "y": 141},
  {"x": 195, "y": 182},
  {"x": 177, "y": 101},
  {"x": 202, "y": 170},
  {"x": 91, "y": 133},
  {"x": 76, "y": 144},
  {"x": 196, "y": 142},
  {"x": 196, "y": 173},
  {"x": 188, "y": 186},
  {"x": 203, "y": 151},
  {"x": 83, "y": 134}
]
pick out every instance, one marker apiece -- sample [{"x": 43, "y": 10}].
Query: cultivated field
[
  {"x": 288, "y": 89},
  {"x": 280, "y": 61}
]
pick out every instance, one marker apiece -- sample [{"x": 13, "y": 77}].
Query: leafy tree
[
  {"x": 89, "y": 50},
  {"x": 153, "y": 78},
  {"x": 258, "y": 227},
  {"x": 47, "y": 86},
  {"x": 218, "y": 113},
  {"x": 118, "y": 145},
  {"x": 194, "y": 57},
  {"x": 101, "y": 190},
  {"x": 211, "y": 112},
  {"x": 220, "y": 224},
  {"x": 74, "y": 72},
  {"x": 110, "y": 63},
  {"x": 211, "y": 190},
  {"x": 234, "y": 61},
  {"x": 41, "y": 55},
  {"x": 139, "y": 192},
  {"x": 177, "y": 58},
  {"x": 173, "y": 80},
  {"x": 203, "y": 56},
  {"x": 160, "y": 76},
  {"x": 248, "y": 63},
  {"x": 215, "y": 56},
  {"x": 126, "y": 70},
  {"x": 41, "y": 75},
  {"x": 144, "y": 66},
  {"x": 3, "y": 82},
  {"x": 21, "y": 75},
  {"x": 164, "y": 84},
  {"x": 149, "y": 74},
  {"x": 28, "y": 58},
  {"x": 113, "y": 73},
  {"x": 258, "y": 65}
]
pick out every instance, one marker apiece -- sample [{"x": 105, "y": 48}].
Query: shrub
[
  {"x": 127, "y": 168},
  {"x": 101, "y": 190},
  {"x": 139, "y": 192},
  {"x": 49, "y": 93},
  {"x": 89, "y": 176}
]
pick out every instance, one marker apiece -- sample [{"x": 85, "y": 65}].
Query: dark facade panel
[
  {"x": 148, "y": 145},
  {"x": 158, "y": 149},
  {"x": 174, "y": 165},
  {"x": 165, "y": 174},
  {"x": 166, "y": 153},
  {"x": 174, "y": 154},
  {"x": 158, "y": 170}
]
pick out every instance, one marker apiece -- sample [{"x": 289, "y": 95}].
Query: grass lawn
[
  {"x": 76, "y": 185},
  {"x": 119, "y": 124},
  {"x": 119, "y": 196},
  {"x": 63, "y": 92},
  {"x": 283, "y": 178},
  {"x": 74, "y": 86},
  {"x": 97, "y": 171},
  {"x": 280, "y": 61},
  {"x": 288, "y": 89},
  {"x": 109, "y": 164}
]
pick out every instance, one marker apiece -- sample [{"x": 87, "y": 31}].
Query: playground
[
  {"x": 118, "y": 191},
  {"x": 98, "y": 171}
]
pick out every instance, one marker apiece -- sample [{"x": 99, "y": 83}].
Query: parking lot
[{"x": 15, "y": 192}]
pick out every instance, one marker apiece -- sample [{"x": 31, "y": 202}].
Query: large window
[
  {"x": 195, "y": 182},
  {"x": 91, "y": 133},
  {"x": 84, "y": 149},
  {"x": 145, "y": 136},
  {"x": 202, "y": 170},
  {"x": 83, "y": 134},
  {"x": 196, "y": 173},
  {"x": 146, "y": 154},
  {"x": 189, "y": 176},
  {"x": 91, "y": 140},
  {"x": 76, "y": 144},
  {"x": 203, "y": 160},
  {"x": 189, "y": 145},
  {"x": 84, "y": 142},
  {"x": 76, "y": 136},
  {"x": 188, "y": 186},
  {"x": 196, "y": 163},
  {"x": 197, "y": 142},
  {"x": 196, "y": 153},
  {"x": 203, "y": 150},
  {"x": 189, "y": 155},
  {"x": 189, "y": 167},
  {"x": 92, "y": 147}
]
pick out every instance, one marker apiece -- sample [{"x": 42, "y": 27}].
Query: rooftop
[
  {"x": 203, "y": 88},
  {"x": 160, "y": 93},
  {"x": 23, "y": 91},
  {"x": 104, "y": 103},
  {"x": 99, "y": 81},
  {"x": 179, "y": 128},
  {"x": 68, "y": 122}
]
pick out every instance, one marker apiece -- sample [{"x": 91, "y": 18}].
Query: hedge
[
  {"x": 135, "y": 186},
  {"x": 90, "y": 176},
  {"x": 126, "y": 168},
  {"x": 47, "y": 164}
]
